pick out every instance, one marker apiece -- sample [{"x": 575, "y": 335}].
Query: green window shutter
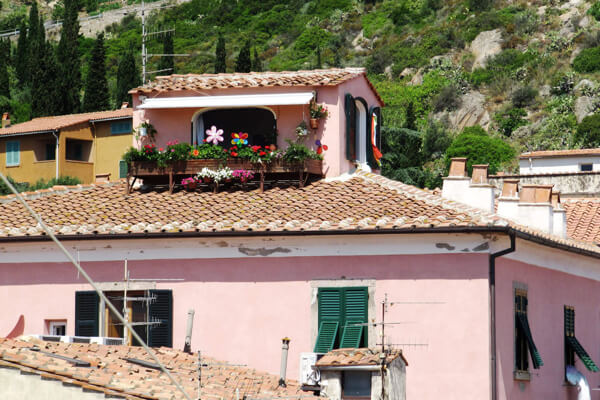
[
  {"x": 351, "y": 336},
  {"x": 86, "y": 313},
  {"x": 582, "y": 354},
  {"x": 122, "y": 169},
  {"x": 533, "y": 351},
  {"x": 161, "y": 310},
  {"x": 350, "y": 111},
  {"x": 330, "y": 305},
  {"x": 569, "y": 321},
  {"x": 328, "y": 331},
  {"x": 356, "y": 310}
]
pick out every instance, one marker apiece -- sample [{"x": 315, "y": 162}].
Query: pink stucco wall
[
  {"x": 175, "y": 124},
  {"x": 547, "y": 292},
  {"x": 245, "y": 306}
]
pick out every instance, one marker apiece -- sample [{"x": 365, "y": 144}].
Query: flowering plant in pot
[
  {"x": 189, "y": 183},
  {"x": 317, "y": 112},
  {"x": 243, "y": 175}
]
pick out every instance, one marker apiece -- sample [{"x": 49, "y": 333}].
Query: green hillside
[{"x": 526, "y": 71}]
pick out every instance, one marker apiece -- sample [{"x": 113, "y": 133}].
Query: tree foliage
[
  {"x": 128, "y": 77},
  {"x": 220, "y": 56},
  {"x": 588, "y": 131},
  {"x": 69, "y": 62},
  {"x": 244, "y": 63},
  {"x": 167, "y": 62},
  {"x": 22, "y": 55},
  {"x": 96, "y": 86}
]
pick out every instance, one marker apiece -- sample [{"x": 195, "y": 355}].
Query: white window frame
[
  {"x": 11, "y": 162},
  {"x": 361, "y": 132},
  {"x": 55, "y": 324}
]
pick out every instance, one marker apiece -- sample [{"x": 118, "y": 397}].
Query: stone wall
[{"x": 579, "y": 184}]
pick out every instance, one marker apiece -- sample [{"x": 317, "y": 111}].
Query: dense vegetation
[{"x": 417, "y": 53}]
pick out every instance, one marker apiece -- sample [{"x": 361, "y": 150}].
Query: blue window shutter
[
  {"x": 161, "y": 310},
  {"x": 120, "y": 127},
  {"x": 13, "y": 156},
  {"x": 327, "y": 334},
  {"x": 86, "y": 313}
]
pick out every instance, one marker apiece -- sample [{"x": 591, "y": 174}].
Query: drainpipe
[
  {"x": 284, "y": 355},
  {"x": 492, "y": 283},
  {"x": 56, "y": 155}
]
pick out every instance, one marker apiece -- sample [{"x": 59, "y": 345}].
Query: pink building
[{"x": 483, "y": 305}]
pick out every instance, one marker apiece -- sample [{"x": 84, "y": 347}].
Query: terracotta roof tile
[
  {"x": 583, "y": 219},
  {"x": 46, "y": 124},
  {"x": 112, "y": 374},
  {"x": 357, "y": 357},
  {"x": 561, "y": 153},
  {"x": 318, "y": 77}
]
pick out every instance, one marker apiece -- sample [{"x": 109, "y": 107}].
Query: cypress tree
[
  {"x": 34, "y": 26},
  {"x": 256, "y": 63},
  {"x": 410, "y": 117},
  {"x": 22, "y": 55},
  {"x": 244, "y": 63},
  {"x": 69, "y": 62},
  {"x": 221, "y": 56},
  {"x": 167, "y": 63},
  {"x": 96, "y": 85},
  {"x": 44, "y": 79},
  {"x": 127, "y": 78},
  {"x": 4, "y": 82}
]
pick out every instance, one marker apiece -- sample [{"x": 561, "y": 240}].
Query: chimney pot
[
  {"x": 556, "y": 200},
  {"x": 5, "y": 120},
  {"x": 125, "y": 104},
  {"x": 480, "y": 174},
  {"x": 536, "y": 193},
  {"x": 458, "y": 167},
  {"x": 510, "y": 188}
]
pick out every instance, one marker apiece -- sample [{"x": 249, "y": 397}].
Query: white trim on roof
[{"x": 231, "y": 101}]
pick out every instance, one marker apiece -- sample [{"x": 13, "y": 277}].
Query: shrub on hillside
[
  {"x": 594, "y": 10},
  {"x": 448, "y": 99},
  {"x": 479, "y": 147},
  {"x": 510, "y": 120},
  {"x": 588, "y": 60},
  {"x": 523, "y": 96},
  {"x": 4, "y": 190},
  {"x": 588, "y": 131}
]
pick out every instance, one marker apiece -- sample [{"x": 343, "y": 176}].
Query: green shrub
[
  {"x": 523, "y": 96},
  {"x": 62, "y": 180},
  {"x": 4, "y": 190},
  {"x": 594, "y": 10},
  {"x": 480, "y": 148},
  {"x": 588, "y": 131},
  {"x": 588, "y": 60},
  {"x": 448, "y": 99},
  {"x": 562, "y": 83},
  {"x": 510, "y": 120},
  {"x": 481, "y": 76},
  {"x": 479, "y": 5}
]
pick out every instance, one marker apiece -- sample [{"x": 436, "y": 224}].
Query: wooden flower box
[{"x": 146, "y": 169}]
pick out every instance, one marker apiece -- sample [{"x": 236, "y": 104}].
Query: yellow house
[{"x": 89, "y": 147}]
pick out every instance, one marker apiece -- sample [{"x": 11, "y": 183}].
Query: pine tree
[
  {"x": 221, "y": 56},
  {"x": 127, "y": 78},
  {"x": 22, "y": 55},
  {"x": 256, "y": 63},
  {"x": 96, "y": 86},
  {"x": 44, "y": 79},
  {"x": 167, "y": 63},
  {"x": 243, "y": 63},
  {"x": 69, "y": 62}
]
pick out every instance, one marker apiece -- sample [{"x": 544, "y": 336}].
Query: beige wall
[
  {"x": 84, "y": 170},
  {"x": 31, "y": 166},
  {"x": 109, "y": 149}
]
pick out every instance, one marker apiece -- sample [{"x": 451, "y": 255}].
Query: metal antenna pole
[
  {"x": 143, "y": 44},
  {"x": 383, "y": 310},
  {"x": 125, "y": 310},
  {"x": 199, "y": 374}
]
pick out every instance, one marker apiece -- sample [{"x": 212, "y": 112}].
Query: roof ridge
[{"x": 55, "y": 190}]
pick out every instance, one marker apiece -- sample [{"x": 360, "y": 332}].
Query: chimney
[
  {"x": 5, "y": 120},
  {"x": 125, "y": 104},
  {"x": 284, "y": 356},
  {"x": 535, "y": 207},
  {"x": 559, "y": 216},
  {"x": 476, "y": 192},
  {"x": 508, "y": 202}
]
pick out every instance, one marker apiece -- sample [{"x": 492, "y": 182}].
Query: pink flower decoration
[{"x": 214, "y": 135}]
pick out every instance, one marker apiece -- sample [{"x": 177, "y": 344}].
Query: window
[
  {"x": 13, "y": 153},
  {"x": 572, "y": 345},
  {"x": 524, "y": 344},
  {"x": 58, "y": 328},
  {"x": 50, "y": 151},
  {"x": 158, "y": 312},
  {"x": 78, "y": 150},
  {"x": 120, "y": 127},
  {"x": 356, "y": 384},
  {"x": 586, "y": 167},
  {"x": 363, "y": 131},
  {"x": 259, "y": 123},
  {"x": 343, "y": 313},
  {"x": 122, "y": 169}
]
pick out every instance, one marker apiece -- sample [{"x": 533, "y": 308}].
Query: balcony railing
[{"x": 274, "y": 170}]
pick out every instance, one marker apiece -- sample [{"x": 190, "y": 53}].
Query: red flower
[
  {"x": 161, "y": 149},
  {"x": 234, "y": 154},
  {"x": 262, "y": 153},
  {"x": 255, "y": 148},
  {"x": 234, "y": 147},
  {"x": 225, "y": 150}
]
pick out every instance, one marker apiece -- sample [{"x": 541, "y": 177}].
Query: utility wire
[{"x": 91, "y": 282}]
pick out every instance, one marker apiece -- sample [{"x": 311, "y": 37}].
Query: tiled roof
[
  {"x": 318, "y": 77},
  {"x": 366, "y": 201},
  {"x": 357, "y": 357},
  {"x": 46, "y": 124},
  {"x": 583, "y": 219},
  {"x": 110, "y": 373},
  {"x": 561, "y": 153}
]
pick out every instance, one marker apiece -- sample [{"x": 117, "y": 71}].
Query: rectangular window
[
  {"x": 524, "y": 344},
  {"x": 13, "y": 153},
  {"x": 50, "y": 151},
  {"x": 78, "y": 150},
  {"x": 356, "y": 384},
  {"x": 586, "y": 167},
  {"x": 120, "y": 127},
  {"x": 122, "y": 169},
  {"x": 572, "y": 345},
  {"x": 343, "y": 313},
  {"x": 151, "y": 311},
  {"x": 58, "y": 328}
]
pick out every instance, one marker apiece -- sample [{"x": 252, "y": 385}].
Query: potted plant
[
  {"x": 301, "y": 130},
  {"x": 317, "y": 111},
  {"x": 146, "y": 129},
  {"x": 190, "y": 183}
]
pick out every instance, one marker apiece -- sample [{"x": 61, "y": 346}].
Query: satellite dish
[{"x": 578, "y": 379}]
